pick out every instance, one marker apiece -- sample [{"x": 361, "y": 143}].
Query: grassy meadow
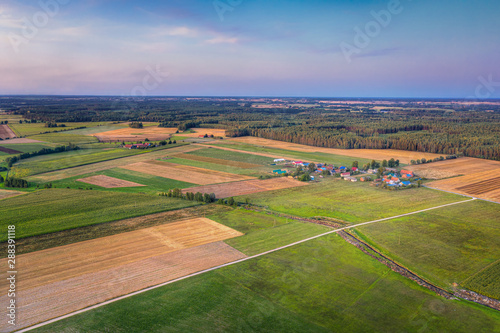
[
  {"x": 52, "y": 210},
  {"x": 446, "y": 246},
  {"x": 350, "y": 202},
  {"x": 325, "y": 285},
  {"x": 265, "y": 232}
]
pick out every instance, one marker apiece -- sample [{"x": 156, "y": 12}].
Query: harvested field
[
  {"x": 202, "y": 131},
  {"x": 456, "y": 167},
  {"x": 7, "y": 194},
  {"x": 128, "y": 134},
  {"x": 54, "y": 297},
  {"x": 236, "y": 164},
  {"x": 184, "y": 173},
  {"x": 21, "y": 140},
  {"x": 6, "y": 132},
  {"x": 9, "y": 151},
  {"x": 108, "y": 182},
  {"x": 106, "y": 165},
  {"x": 375, "y": 154},
  {"x": 246, "y": 187},
  {"x": 483, "y": 185}
]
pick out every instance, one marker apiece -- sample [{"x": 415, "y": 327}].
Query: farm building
[
  {"x": 278, "y": 160},
  {"x": 345, "y": 174},
  {"x": 280, "y": 172},
  {"x": 408, "y": 173},
  {"x": 296, "y": 163}
]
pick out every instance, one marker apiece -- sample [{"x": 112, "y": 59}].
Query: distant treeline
[{"x": 455, "y": 129}]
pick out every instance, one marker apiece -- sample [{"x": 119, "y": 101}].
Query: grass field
[
  {"x": 33, "y": 129},
  {"x": 64, "y": 138},
  {"x": 232, "y": 156},
  {"x": 351, "y": 202},
  {"x": 26, "y": 147},
  {"x": 321, "y": 286},
  {"x": 445, "y": 246},
  {"x": 486, "y": 282},
  {"x": 337, "y": 160},
  {"x": 60, "y": 209},
  {"x": 153, "y": 184},
  {"x": 216, "y": 167},
  {"x": 52, "y": 162},
  {"x": 265, "y": 232}
]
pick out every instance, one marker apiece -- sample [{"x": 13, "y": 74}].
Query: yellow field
[
  {"x": 483, "y": 185},
  {"x": 184, "y": 173},
  {"x": 456, "y": 167},
  {"x": 202, "y": 131},
  {"x": 372, "y": 154},
  {"x": 108, "y": 182},
  {"x": 236, "y": 164},
  {"x": 128, "y": 134},
  {"x": 112, "y": 266},
  {"x": 246, "y": 187}
]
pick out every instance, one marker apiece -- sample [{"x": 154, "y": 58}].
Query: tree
[
  {"x": 397, "y": 163},
  {"x": 384, "y": 163},
  {"x": 206, "y": 198},
  {"x": 373, "y": 164},
  {"x": 419, "y": 183},
  {"x": 1, "y": 179},
  {"x": 423, "y": 160},
  {"x": 198, "y": 197},
  {"x": 305, "y": 178},
  {"x": 392, "y": 163},
  {"x": 311, "y": 167},
  {"x": 355, "y": 164},
  {"x": 413, "y": 162},
  {"x": 231, "y": 202}
]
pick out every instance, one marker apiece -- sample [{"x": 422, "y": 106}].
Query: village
[{"x": 385, "y": 177}]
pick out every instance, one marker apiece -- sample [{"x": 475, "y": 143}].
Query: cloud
[{"x": 222, "y": 40}]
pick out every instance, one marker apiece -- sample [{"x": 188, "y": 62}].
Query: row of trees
[
  {"x": 15, "y": 182},
  {"x": 200, "y": 197}
]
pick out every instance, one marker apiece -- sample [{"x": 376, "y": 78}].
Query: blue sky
[{"x": 418, "y": 48}]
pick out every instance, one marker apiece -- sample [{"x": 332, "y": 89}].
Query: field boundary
[
  {"x": 464, "y": 195},
  {"x": 232, "y": 263}
]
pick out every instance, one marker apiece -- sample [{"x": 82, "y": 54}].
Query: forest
[{"x": 434, "y": 126}]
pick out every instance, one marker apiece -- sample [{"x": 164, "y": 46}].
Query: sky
[{"x": 313, "y": 48}]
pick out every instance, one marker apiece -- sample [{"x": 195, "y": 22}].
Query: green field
[
  {"x": 153, "y": 184},
  {"x": 351, "y": 202},
  {"x": 217, "y": 167},
  {"x": 233, "y": 156},
  {"x": 486, "y": 282},
  {"x": 446, "y": 245},
  {"x": 325, "y": 285},
  {"x": 64, "y": 138},
  {"x": 26, "y": 147},
  {"x": 265, "y": 232},
  {"x": 52, "y": 162},
  {"x": 54, "y": 210},
  {"x": 337, "y": 160},
  {"x": 27, "y": 129}
]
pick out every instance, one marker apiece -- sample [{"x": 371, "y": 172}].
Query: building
[
  {"x": 345, "y": 174},
  {"x": 279, "y": 160},
  {"x": 408, "y": 173}
]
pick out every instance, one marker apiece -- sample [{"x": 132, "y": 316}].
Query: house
[
  {"x": 408, "y": 173},
  {"x": 345, "y": 174},
  {"x": 297, "y": 163},
  {"x": 353, "y": 179},
  {"x": 128, "y": 146},
  {"x": 342, "y": 168},
  {"x": 395, "y": 179},
  {"x": 391, "y": 169},
  {"x": 354, "y": 169},
  {"x": 372, "y": 171},
  {"x": 305, "y": 164},
  {"x": 406, "y": 183}
]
